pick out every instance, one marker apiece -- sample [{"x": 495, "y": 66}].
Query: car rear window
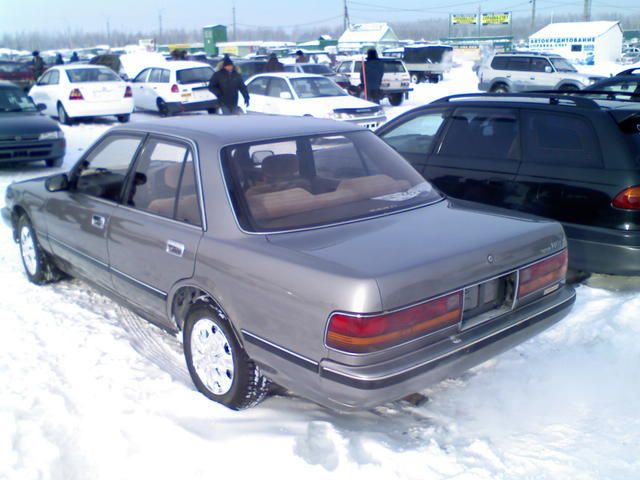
[
  {"x": 393, "y": 67},
  {"x": 319, "y": 180},
  {"x": 194, "y": 75},
  {"x": 83, "y": 75},
  {"x": 317, "y": 69}
]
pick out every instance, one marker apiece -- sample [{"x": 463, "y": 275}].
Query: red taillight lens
[
  {"x": 356, "y": 334},
  {"x": 76, "y": 94},
  {"x": 543, "y": 274},
  {"x": 175, "y": 89},
  {"x": 628, "y": 199},
  {"x": 128, "y": 93}
]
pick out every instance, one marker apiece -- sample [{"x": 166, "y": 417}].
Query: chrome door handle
[
  {"x": 98, "y": 221},
  {"x": 175, "y": 248}
]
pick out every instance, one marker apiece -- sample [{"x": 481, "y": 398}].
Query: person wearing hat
[
  {"x": 301, "y": 57},
  {"x": 226, "y": 84},
  {"x": 38, "y": 65},
  {"x": 371, "y": 76},
  {"x": 273, "y": 64}
]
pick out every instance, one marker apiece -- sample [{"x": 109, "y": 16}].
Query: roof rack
[
  {"x": 608, "y": 93},
  {"x": 527, "y": 52},
  {"x": 554, "y": 97}
]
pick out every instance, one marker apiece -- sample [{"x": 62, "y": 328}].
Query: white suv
[
  {"x": 174, "y": 87},
  {"x": 395, "y": 82},
  {"x": 517, "y": 72}
]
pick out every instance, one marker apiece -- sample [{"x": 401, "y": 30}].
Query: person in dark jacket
[
  {"x": 59, "y": 59},
  {"x": 74, "y": 58},
  {"x": 273, "y": 64},
  {"x": 301, "y": 57},
  {"x": 371, "y": 77},
  {"x": 38, "y": 65},
  {"x": 225, "y": 84}
]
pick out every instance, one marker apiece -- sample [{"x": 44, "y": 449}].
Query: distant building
[
  {"x": 581, "y": 42},
  {"x": 360, "y": 37}
]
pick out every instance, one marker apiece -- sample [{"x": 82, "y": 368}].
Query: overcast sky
[{"x": 60, "y": 15}]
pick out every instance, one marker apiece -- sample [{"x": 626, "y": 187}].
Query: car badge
[{"x": 490, "y": 259}]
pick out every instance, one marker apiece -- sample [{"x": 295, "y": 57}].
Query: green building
[{"x": 213, "y": 34}]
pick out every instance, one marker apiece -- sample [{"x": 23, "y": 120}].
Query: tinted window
[
  {"x": 539, "y": 64},
  {"x": 14, "y": 100},
  {"x": 482, "y": 132},
  {"x": 319, "y": 180},
  {"x": 103, "y": 173},
  {"x": 44, "y": 79},
  {"x": 156, "y": 76},
  {"x": 558, "y": 139},
  {"x": 499, "y": 63},
  {"x": 393, "y": 67},
  {"x": 277, "y": 86},
  {"x": 519, "y": 64},
  {"x": 258, "y": 86},
  {"x": 416, "y": 135},
  {"x": 165, "y": 77},
  {"x": 81, "y": 75},
  {"x": 316, "y": 87},
  {"x": 54, "y": 78},
  {"x": 194, "y": 75},
  {"x": 562, "y": 65}
]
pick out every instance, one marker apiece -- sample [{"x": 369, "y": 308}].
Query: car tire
[
  {"x": 416, "y": 78},
  {"x": 499, "y": 88},
  {"x": 163, "y": 108},
  {"x": 54, "y": 162},
  {"x": 396, "y": 99},
  {"x": 63, "y": 116},
  {"x": 219, "y": 367},
  {"x": 37, "y": 265},
  {"x": 569, "y": 88},
  {"x": 212, "y": 111},
  {"x": 577, "y": 276},
  {"x": 124, "y": 118}
]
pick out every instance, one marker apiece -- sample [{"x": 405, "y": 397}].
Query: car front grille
[
  {"x": 24, "y": 151},
  {"x": 359, "y": 112},
  {"x": 18, "y": 138}
]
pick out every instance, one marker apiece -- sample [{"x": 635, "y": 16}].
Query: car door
[
  {"x": 562, "y": 168},
  {"x": 279, "y": 96},
  {"x": 154, "y": 233},
  {"x": 519, "y": 73},
  {"x": 542, "y": 76},
  {"x": 155, "y": 88},
  {"x": 45, "y": 91},
  {"x": 258, "y": 92},
  {"x": 478, "y": 157},
  {"x": 140, "y": 90},
  {"x": 78, "y": 218},
  {"x": 416, "y": 136}
]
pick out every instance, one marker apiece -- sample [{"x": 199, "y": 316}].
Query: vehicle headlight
[
  {"x": 338, "y": 115},
  {"x": 591, "y": 81},
  {"x": 51, "y": 135}
]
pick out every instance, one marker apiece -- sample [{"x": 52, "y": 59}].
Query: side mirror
[
  {"x": 286, "y": 95},
  {"x": 41, "y": 107},
  {"x": 57, "y": 183},
  {"x": 548, "y": 69}
]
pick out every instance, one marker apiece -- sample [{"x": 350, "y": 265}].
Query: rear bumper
[
  {"x": 32, "y": 151},
  {"x": 603, "y": 250},
  {"x": 177, "y": 107},
  {"x": 361, "y": 387},
  {"x": 6, "y": 217},
  {"x": 392, "y": 91},
  {"x": 83, "y": 108}
]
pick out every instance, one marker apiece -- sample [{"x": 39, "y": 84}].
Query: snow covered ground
[{"x": 89, "y": 391}]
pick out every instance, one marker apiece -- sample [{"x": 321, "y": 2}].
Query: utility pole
[
  {"x": 233, "y": 20},
  {"x": 345, "y": 21},
  {"x": 587, "y": 10},
  {"x": 159, "y": 26},
  {"x": 479, "y": 19},
  {"x": 108, "y": 32},
  {"x": 533, "y": 15}
]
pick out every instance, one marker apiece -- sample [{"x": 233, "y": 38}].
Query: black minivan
[{"x": 569, "y": 158}]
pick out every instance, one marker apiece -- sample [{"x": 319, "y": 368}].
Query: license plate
[
  {"x": 201, "y": 95},
  {"x": 488, "y": 300}
]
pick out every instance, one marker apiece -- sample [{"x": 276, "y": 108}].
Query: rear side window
[
  {"x": 194, "y": 75},
  {"x": 416, "y": 135},
  {"x": 258, "y": 86},
  {"x": 482, "y": 133},
  {"x": 519, "y": 64},
  {"x": 559, "y": 139},
  {"x": 499, "y": 63}
]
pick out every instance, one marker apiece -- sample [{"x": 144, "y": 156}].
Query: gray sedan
[{"x": 294, "y": 250}]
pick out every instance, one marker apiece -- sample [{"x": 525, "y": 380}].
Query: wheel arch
[{"x": 500, "y": 80}]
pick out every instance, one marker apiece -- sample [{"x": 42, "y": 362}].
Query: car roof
[
  {"x": 528, "y": 54},
  {"x": 7, "y": 84},
  {"x": 183, "y": 65},
  {"x": 289, "y": 75},
  {"x": 77, "y": 66},
  {"x": 235, "y": 129}
]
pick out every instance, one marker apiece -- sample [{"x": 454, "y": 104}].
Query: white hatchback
[
  {"x": 174, "y": 87},
  {"x": 81, "y": 91},
  {"x": 305, "y": 95}
]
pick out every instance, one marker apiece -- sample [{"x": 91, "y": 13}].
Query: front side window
[
  {"x": 539, "y": 65},
  {"x": 416, "y": 136},
  {"x": 82, "y": 75},
  {"x": 102, "y": 174},
  {"x": 258, "y": 86},
  {"x": 519, "y": 64},
  {"x": 278, "y": 86},
  {"x": 319, "y": 180},
  {"x": 316, "y": 87},
  {"x": 559, "y": 140},
  {"x": 562, "y": 65},
  {"x": 482, "y": 133},
  {"x": 345, "y": 68},
  {"x": 54, "y": 79},
  {"x": 164, "y": 182},
  {"x": 142, "y": 76}
]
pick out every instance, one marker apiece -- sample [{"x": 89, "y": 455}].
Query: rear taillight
[
  {"x": 128, "y": 93},
  {"x": 543, "y": 274},
  {"x": 628, "y": 199},
  {"x": 175, "y": 89},
  {"x": 76, "y": 94},
  {"x": 365, "y": 334}
]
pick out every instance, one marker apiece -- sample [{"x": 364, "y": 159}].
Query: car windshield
[
  {"x": 82, "y": 75},
  {"x": 14, "y": 100},
  {"x": 393, "y": 67},
  {"x": 313, "y": 181},
  {"x": 317, "y": 69},
  {"x": 562, "y": 65},
  {"x": 194, "y": 75},
  {"x": 316, "y": 87}
]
